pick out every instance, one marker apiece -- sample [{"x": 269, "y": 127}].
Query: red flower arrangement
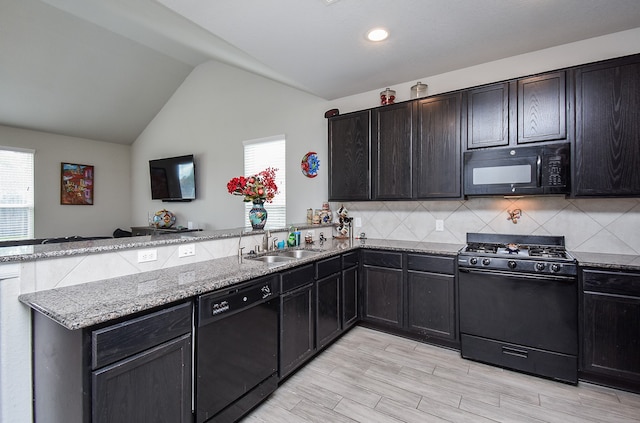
[{"x": 261, "y": 186}]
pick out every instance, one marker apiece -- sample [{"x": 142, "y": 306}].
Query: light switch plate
[
  {"x": 439, "y": 225},
  {"x": 358, "y": 222}
]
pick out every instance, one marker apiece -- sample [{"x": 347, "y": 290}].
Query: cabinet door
[
  {"x": 382, "y": 301},
  {"x": 349, "y": 297},
  {"x": 611, "y": 345},
  {"x": 607, "y": 156},
  {"x": 328, "y": 298},
  {"x": 437, "y": 158},
  {"x": 296, "y": 328},
  {"x": 542, "y": 108},
  {"x": 153, "y": 386},
  {"x": 349, "y": 157},
  {"x": 391, "y": 158},
  {"x": 431, "y": 305},
  {"x": 488, "y": 116}
]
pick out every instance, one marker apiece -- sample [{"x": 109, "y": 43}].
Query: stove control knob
[
  {"x": 473, "y": 260},
  {"x": 555, "y": 267},
  {"x": 512, "y": 264},
  {"x": 540, "y": 267},
  {"x": 486, "y": 261}
]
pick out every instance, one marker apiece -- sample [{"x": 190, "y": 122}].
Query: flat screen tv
[{"x": 173, "y": 178}]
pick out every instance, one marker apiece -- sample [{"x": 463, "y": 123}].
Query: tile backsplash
[{"x": 589, "y": 225}]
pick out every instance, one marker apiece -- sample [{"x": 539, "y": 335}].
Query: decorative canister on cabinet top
[
  {"x": 388, "y": 96},
  {"x": 419, "y": 90}
]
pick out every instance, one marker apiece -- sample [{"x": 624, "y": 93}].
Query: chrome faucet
[
  {"x": 265, "y": 241},
  {"x": 240, "y": 248}
]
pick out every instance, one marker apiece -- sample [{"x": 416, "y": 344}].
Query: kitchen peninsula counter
[
  {"x": 91, "y": 246},
  {"x": 91, "y": 303}
]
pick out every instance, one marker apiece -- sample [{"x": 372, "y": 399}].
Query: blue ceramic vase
[{"x": 258, "y": 214}]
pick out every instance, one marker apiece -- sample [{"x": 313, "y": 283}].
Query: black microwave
[{"x": 530, "y": 170}]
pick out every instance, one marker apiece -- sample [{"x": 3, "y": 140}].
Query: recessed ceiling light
[{"x": 377, "y": 34}]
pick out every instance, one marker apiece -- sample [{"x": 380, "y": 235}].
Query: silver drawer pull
[{"x": 515, "y": 352}]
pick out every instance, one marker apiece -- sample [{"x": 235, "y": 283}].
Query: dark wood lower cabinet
[
  {"x": 328, "y": 295},
  {"x": 154, "y": 386},
  {"x": 430, "y": 305},
  {"x": 297, "y": 311},
  {"x": 382, "y": 288},
  {"x": 350, "y": 297},
  {"x": 411, "y": 295},
  {"x": 136, "y": 370},
  {"x": 611, "y": 328},
  {"x": 382, "y": 295}
]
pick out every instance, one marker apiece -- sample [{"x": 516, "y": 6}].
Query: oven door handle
[{"x": 534, "y": 276}]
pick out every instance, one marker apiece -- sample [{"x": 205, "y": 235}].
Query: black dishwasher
[{"x": 236, "y": 350}]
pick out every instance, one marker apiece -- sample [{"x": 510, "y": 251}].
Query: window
[
  {"x": 16, "y": 193},
  {"x": 258, "y": 155}
]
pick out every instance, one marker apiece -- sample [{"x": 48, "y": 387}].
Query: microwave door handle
[{"x": 539, "y": 171}]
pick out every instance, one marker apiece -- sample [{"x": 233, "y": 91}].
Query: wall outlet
[
  {"x": 187, "y": 250},
  {"x": 358, "y": 222},
  {"x": 147, "y": 255},
  {"x": 312, "y": 232},
  {"x": 439, "y": 225}
]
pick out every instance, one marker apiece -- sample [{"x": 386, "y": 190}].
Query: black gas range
[
  {"x": 536, "y": 254},
  {"x": 518, "y": 304}
]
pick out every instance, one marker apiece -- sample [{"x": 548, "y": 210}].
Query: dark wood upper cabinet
[
  {"x": 392, "y": 136},
  {"x": 488, "y": 116},
  {"x": 349, "y": 177},
  {"x": 607, "y": 144},
  {"x": 436, "y": 168},
  {"x": 542, "y": 108}
]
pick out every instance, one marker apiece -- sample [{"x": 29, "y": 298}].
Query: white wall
[
  {"x": 216, "y": 108},
  {"x": 592, "y": 50},
  {"x": 112, "y": 201}
]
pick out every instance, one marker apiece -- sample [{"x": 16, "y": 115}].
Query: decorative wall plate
[{"x": 310, "y": 164}]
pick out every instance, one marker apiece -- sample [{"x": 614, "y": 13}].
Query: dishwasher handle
[{"x": 215, "y": 306}]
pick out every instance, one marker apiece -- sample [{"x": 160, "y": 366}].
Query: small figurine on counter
[{"x": 344, "y": 223}]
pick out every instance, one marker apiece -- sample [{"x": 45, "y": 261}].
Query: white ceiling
[{"x": 102, "y": 69}]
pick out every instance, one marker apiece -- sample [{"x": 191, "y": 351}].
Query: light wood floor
[{"x": 368, "y": 376}]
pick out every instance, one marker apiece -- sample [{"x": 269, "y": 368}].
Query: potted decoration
[{"x": 258, "y": 188}]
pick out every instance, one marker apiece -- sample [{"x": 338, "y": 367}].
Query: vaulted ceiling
[{"x": 102, "y": 69}]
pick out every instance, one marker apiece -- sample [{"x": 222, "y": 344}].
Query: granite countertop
[
  {"x": 608, "y": 261},
  {"x": 88, "y": 304},
  {"x": 40, "y": 251}
]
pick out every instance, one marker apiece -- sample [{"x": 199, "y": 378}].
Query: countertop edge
[{"x": 63, "y": 305}]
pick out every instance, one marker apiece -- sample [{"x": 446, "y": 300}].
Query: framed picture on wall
[{"x": 76, "y": 184}]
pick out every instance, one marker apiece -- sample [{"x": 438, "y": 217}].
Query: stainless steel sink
[
  {"x": 295, "y": 253},
  {"x": 281, "y": 257},
  {"x": 273, "y": 259}
]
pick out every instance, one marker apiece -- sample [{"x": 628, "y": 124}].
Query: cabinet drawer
[
  {"x": 433, "y": 264},
  {"x": 297, "y": 277},
  {"x": 350, "y": 260},
  {"x": 122, "y": 340},
  {"x": 328, "y": 266},
  {"x": 382, "y": 259},
  {"x": 611, "y": 282},
  {"x": 512, "y": 356}
]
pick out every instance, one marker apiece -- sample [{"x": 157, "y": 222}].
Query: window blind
[
  {"x": 16, "y": 193},
  {"x": 258, "y": 155}
]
